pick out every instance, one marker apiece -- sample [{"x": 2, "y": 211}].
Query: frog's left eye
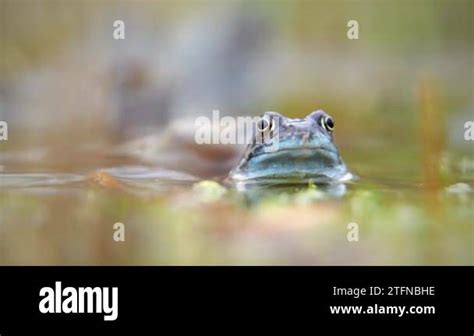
[{"x": 327, "y": 123}]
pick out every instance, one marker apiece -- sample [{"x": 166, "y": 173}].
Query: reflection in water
[
  {"x": 132, "y": 173},
  {"x": 172, "y": 218},
  {"x": 142, "y": 180},
  {"x": 38, "y": 180},
  {"x": 255, "y": 192},
  {"x": 133, "y": 179}
]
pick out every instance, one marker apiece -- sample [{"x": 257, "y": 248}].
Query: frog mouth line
[{"x": 299, "y": 149}]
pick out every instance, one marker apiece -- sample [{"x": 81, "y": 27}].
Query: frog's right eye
[{"x": 265, "y": 124}]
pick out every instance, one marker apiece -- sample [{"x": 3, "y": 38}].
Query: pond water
[{"x": 391, "y": 214}]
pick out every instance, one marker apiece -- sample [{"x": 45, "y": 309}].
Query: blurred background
[{"x": 71, "y": 94}]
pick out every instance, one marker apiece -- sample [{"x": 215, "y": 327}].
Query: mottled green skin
[{"x": 303, "y": 151}]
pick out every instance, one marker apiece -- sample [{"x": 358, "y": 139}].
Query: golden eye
[{"x": 327, "y": 123}]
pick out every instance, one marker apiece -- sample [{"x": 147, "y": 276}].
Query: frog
[
  {"x": 280, "y": 152},
  {"x": 293, "y": 151}
]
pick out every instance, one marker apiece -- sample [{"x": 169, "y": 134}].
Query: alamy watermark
[
  {"x": 81, "y": 300},
  {"x": 119, "y": 232},
  {"x": 469, "y": 131},
  {"x": 238, "y": 130},
  {"x": 352, "y": 232},
  {"x": 3, "y": 131},
  {"x": 353, "y": 31},
  {"x": 119, "y": 30}
]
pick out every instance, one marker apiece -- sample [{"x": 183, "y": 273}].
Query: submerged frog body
[{"x": 292, "y": 151}]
